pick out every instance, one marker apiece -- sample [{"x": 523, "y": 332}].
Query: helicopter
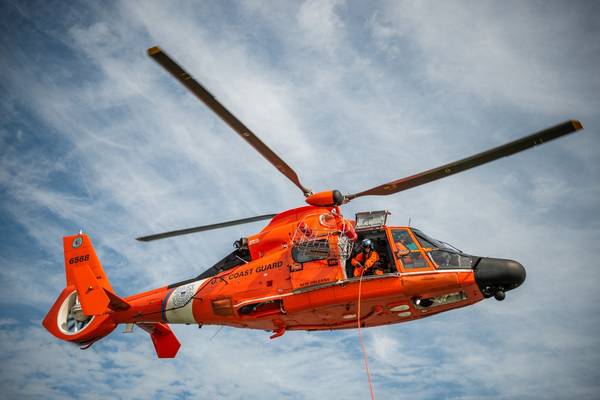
[{"x": 299, "y": 273}]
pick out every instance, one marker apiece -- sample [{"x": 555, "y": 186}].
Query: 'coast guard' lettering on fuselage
[
  {"x": 250, "y": 271},
  {"x": 274, "y": 265}
]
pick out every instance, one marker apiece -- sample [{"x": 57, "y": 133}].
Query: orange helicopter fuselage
[
  {"x": 275, "y": 290},
  {"x": 298, "y": 273}
]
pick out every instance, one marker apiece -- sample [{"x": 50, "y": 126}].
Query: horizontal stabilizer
[
  {"x": 116, "y": 303},
  {"x": 163, "y": 338}
]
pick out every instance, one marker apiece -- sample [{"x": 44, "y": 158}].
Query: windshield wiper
[{"x": 454, "y": 247}]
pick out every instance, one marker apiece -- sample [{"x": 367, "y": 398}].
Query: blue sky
[{"x": 95, "y": 136}]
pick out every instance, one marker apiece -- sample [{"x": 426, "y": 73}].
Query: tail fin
[
  {"x": 84, "y": 271},
  {"x": 80, "y": 312},
  {"x": 79, "y": 251}
]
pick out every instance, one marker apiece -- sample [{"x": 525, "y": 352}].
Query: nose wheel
[{"x": 498, "y": 293}]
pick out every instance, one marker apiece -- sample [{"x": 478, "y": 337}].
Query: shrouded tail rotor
[{"x": 71, "y": 319}]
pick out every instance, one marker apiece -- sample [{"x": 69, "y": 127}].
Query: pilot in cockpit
[{"x": 402, "y": 237}]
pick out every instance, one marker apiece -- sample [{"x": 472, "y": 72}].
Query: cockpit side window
[
  {"x": 414, "y": 259},
  {"x": 402, "y": 236}
]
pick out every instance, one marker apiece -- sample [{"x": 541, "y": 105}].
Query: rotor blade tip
[
  {"x": 154, "y": 50},
  {"x": 576, "y": 124}
]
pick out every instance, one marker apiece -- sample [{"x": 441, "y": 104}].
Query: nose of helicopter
[{"x": 494, "y": 276}]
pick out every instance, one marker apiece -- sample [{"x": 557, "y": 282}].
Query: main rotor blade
[
  {"x": 204, "y": 228},
  {"x": 204, "y": 95},
  {"x": 476, "y": 160}
]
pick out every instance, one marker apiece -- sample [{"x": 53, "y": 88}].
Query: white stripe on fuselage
[{"x": 179, "y": 305}]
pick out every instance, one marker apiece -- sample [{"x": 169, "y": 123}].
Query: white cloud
[
  {"x": 320, "y": 25},
  {"x": 498, "y": 52},
  {"x": 7, "y": 321}
]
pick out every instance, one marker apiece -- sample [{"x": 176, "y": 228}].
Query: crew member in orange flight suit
[{"x": 366, "y": 258}]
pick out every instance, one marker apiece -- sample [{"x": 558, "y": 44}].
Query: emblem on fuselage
[
  {"x": 77, "y": 242},
  {"x": 182, "y": 295}
]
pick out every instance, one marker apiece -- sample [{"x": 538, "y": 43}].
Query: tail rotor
[{"x": 71, "y": 318}]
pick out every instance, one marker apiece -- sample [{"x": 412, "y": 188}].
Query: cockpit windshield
[
  {"x": 428, "y": 242},
  {"x": 443, "y": 254}
]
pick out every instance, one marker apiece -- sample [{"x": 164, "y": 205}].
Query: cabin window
[{"x": 311, "y": 250}]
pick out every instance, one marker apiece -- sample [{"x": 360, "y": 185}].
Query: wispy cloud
[{"x": 519, "y": 56}]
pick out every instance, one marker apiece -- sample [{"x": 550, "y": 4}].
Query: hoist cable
[{"x": 360, "y": 338}]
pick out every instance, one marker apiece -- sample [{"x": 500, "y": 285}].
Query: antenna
[{"x": 409, "y": 222}]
